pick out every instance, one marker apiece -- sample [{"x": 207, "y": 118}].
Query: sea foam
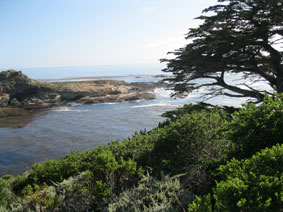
[{"x": 157, "y": 105}]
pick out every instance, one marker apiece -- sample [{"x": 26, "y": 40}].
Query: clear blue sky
[{"x": 48, "y": 33}]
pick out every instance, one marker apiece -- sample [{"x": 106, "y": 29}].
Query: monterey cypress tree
[{"x": 237, "y": 37}]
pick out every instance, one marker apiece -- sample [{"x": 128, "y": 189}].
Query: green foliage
[
  {"x": 254, "y": 184},
  {"x": 152, "y": 195},
  {"x": 100, "y": 161},
  {"x": 3, "y": 209},
  {"x": 201, "y": 204},
  {"x": 186, "y": 109},
  {"x": 6, "y": 194},
  {"x": 189, "y": 145},
  {"x": 134, "y": 148},
  {"x": 193, "y": 136},
  {"x": 256, "y": 127}
]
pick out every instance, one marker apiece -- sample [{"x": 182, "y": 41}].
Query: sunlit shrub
[
  {"x": 152, "y": 195},
  {"x": 201, "y": 204},
  {"x": 100, "y": 161},
  {"x": 254, "y": 184},
  {"x": 35, "y": 198},
  {"x": 255, "y": 127}
]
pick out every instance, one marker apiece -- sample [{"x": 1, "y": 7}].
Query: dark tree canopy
[{"x": 242, "y": 37}]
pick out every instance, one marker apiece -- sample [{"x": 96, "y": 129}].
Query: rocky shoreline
[{"x": 17, "y": 90}]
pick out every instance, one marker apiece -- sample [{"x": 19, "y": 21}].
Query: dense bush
[
  {"x": 254, "y": 184},
  {"x": 189, "y": 145},
  {"x": 99, "y": 161},
  {"x": 256, "y": 127}
]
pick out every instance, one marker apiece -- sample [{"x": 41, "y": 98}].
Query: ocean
[
  {"x": 51, "y": 133},
  {"x": 90, "y": 71}
]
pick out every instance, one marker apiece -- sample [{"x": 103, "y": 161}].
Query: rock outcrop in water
[{"x": 16, "y": 89}]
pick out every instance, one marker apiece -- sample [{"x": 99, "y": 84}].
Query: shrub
[
  {"x": 254, "y": 184},
  {"x": 173, "y": 115},
  {"x": 73, "y": 194},
  {"x": 3, "y": 209},
  {"x": 100, "y": 161},
  {"x": 201, "y": 204},
  {"x": 35, "y": 198},
  {"x": 134, "y": 148},
  {"x": 190, "y": 145},
  {"x": 6, "y": 193},
  {"x": 152, "y": 195},
  {"x": 255, "y": 127},
  {"x": 76, "y": 193}
]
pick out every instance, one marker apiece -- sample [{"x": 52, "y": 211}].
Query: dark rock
[
  {"x": 71, "y": 95},
  {"x": 12, "y": 74},
  {"x": 17, "y": 85},
  {"x": 14, "y": 102}
]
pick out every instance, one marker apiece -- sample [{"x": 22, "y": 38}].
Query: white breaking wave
[
  {"x": 68, "y": 109},
  {"x": 140, "y": 100},
  {"x": 157, "y": 105},
  {"x": 109, "y": 103},
  {"x": 167, "y": 93},
  {"x": 62, "y": 109},
  {"x": 162, "y": 92},
  {"x": 73, "y": 104}
]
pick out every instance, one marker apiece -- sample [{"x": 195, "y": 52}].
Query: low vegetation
[{"x": 203, "y": 158}]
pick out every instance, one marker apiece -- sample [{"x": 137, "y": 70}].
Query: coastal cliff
[{"x": 16, "y": 89}]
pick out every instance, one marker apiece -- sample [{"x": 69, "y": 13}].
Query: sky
[{"x": 54, "y": 33}]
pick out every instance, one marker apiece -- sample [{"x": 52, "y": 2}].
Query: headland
[{"x": 17, "y": 90}]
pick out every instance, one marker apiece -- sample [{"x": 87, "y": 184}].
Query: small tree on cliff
[{"x": 241, "y": 37}]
